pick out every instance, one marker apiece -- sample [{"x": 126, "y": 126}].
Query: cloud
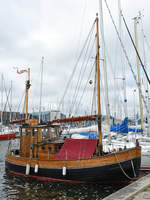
[{"x": 57, "y": 30}]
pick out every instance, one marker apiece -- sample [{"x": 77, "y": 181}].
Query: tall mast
[
  {"x": 98, "y": 88},
  {"x": 146, "y": 82},
  {"x": 122, "y": 62},
  {"x": 103, "y": 56},
  {"x": 27, "y": 93},
  {"x": 2, "y": 100},
  {"x": 138, "y": 69}
]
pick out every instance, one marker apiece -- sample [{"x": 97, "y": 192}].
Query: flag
[{"x": 21, "y": 71}]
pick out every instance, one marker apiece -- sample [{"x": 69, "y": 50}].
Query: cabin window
[
  {"x": 55, "y": 148},
  {"x": 34, "y": 132},
  {"x": 28, "y": 132},
  {"x": 43, "y": 148},
  {"x": 45, "y": 133},
  {"x": 50, "y": 149},
  {"x": 23, "y": 131},
  {"x": 53, "y": 132}
]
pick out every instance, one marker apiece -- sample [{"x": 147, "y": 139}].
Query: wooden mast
[
  {"x": 98, "y": 88},
  {"x": 27, "y": 91}
]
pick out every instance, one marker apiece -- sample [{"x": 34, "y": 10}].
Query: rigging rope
[
  {"x": 125, "y": 53},
  {"x": 123, "y": 169},
  {"x": 147, "y": 42},
  {"x": 23, "y": 110},
  {"x": 7, "y": 98},
  {"x": 81, "y": 29},
  {"x": 73, "y": 72},
  {"x": 75, "y": 97},
  {"x": 94, "y": 93},
  {"x": 84, "y": 89},
  {"x": 135, "y": 49},
  {"x": 20, "y": 102},
  {"x": 80, "y": 79}
]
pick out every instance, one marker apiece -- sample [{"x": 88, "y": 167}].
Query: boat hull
[
  {"x": 107, "y": 169},
  {"x": 108, "y": 173},
  {"x": 7, "y": 136}
]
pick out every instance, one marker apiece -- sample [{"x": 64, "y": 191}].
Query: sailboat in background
[
  {"x": 144, "y": 139},
  {"x": 132, "y": 133},
  {"x": 6, "y": 133},
  {"x": 70, "y": 160}
]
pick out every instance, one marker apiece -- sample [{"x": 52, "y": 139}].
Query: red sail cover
[{"x": 76, "y": 149}]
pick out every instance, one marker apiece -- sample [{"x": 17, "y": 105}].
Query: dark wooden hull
[
  {"x": 102, "y": 169},
  {"x": 107, "y": 173}
]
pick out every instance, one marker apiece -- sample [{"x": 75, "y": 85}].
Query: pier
[{"x": 137, "y": 190}]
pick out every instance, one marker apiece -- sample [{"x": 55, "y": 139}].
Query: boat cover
[
  {"x": 123, "y": 127},
  {"x": 90, "y": 135},
  {"x": 76, "y": 149},
  {"x": 135, "y": 130}
]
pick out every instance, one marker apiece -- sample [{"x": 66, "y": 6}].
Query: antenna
[{"x": 41, "y": 88}]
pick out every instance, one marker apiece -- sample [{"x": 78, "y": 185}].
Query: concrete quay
[{"x": 138, "y": 190}]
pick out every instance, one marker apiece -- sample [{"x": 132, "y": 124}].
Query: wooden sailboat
[{"x": 69, "y": 160}]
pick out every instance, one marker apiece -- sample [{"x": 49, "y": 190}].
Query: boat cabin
[{"x": 39, "y": 141}]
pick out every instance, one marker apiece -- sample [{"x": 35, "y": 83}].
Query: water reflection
[{"x": 18, "y": 188}]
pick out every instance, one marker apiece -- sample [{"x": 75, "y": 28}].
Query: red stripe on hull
[
  {"x": 44, "y": 178},
  {"x": 66, "y": 181},
  {"x": 7, "y": 136},
  {"x": 145, "y": 168}
]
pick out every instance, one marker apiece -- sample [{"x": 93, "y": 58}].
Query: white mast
[
  {"x": 10, "y": 117},
  {"x": 2, "y": 100},
  {"x": 103, "y": 58},
  {"x": 145, "y": 65},
  {"x": 138, "y": 70},
  {"x": 41, "y": 88},
  {"x": 122, "y": 62}
]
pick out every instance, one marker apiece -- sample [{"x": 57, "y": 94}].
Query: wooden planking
[{"x": 95, "y": 161}]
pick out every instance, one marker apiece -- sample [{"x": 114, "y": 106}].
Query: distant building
[
  {"x": 55, "y": 114},
  {"x": 49, "y": 115},
  {"x": 6, "y": 117}
]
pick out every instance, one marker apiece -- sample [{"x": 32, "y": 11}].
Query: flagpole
[{"x": 27, "y": 91}]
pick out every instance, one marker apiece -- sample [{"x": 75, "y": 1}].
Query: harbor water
[{"x": 18, "y": 188}]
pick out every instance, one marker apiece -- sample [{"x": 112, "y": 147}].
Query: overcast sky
[{"x": 56, "y": 30}]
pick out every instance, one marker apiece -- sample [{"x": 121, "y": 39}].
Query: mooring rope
[
  {"x": 132, "y": 165},
  {"x": 123, "y": 169}
]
